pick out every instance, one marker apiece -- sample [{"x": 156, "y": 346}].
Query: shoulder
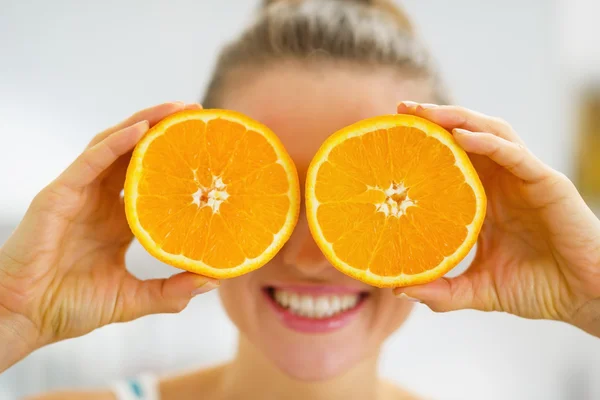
[
  {"x": 99, "y": 395},
  {"x": 187, "y": 386},
  {"x": 143, "y": 387},
  {"x": 393, "y": 392},
  {"x": 146, "y": 387}
]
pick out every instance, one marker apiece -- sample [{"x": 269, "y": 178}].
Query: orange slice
[
  {"x": 394, "y": 201},
  {"x": 212, "y": 192}
]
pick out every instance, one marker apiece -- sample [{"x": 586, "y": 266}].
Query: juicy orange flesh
[
  {"x": 189, "y": 156},
  {"x": 350, "y": 186}
]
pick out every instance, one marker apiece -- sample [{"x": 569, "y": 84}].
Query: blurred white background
[{"x": 71, "y": 68}]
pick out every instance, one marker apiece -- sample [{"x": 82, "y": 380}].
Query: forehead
[{"x": 304, "y": 104}]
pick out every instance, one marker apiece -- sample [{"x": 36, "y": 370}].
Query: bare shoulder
[
  {"x": 179, "y": 387},
  {"x": 187, "y": 386},
  {"x": 83, "y": 395},
  {"x": 394, "y": 392}
]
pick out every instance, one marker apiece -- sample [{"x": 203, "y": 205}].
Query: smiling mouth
[{"x": 315, "y": 306}]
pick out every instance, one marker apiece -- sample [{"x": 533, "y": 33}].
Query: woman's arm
[{"x": 17, "y": 335}]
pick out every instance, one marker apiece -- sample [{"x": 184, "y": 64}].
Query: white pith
[
  {"x": 396, "y": 201},
  {"x": 211, "y": 197}
]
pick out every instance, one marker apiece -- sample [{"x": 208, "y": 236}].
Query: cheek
[
  {"x": 391, "y": 312},
  {"x": 237, "y": 301}
]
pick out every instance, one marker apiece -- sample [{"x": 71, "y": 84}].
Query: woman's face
[{"x": 306, "y": 317}]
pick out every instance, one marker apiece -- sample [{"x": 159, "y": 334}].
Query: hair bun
[{"x": 389, "y": 7}]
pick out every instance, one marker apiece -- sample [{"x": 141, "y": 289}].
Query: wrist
[
  {"x": 18, "y": 338},
  {"x": 587, "y": 316},
  {"x": 19, "y": 335}
]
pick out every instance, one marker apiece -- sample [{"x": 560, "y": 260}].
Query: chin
[
  {"x": 309, "y": 330},
  {"x": 315, "y": 332},
  {"x": 314, "y": 357},
  {"x": 315, "y": 363}
]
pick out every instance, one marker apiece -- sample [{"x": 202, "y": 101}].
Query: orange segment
[
  {"x": 256, "y": 152},
  {"x": 394, "y": 201},
  {"x": 212, "y": 192},
  {"x": 358, "y": 244},
  {"x": 269, "y": 180},
  {"x": 222, "y": 138}
]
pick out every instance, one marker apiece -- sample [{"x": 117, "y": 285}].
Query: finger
[
  {"x": 114, "y": 180},
  {"x": 95, "y": 160},
  {"x": 153, "y": 115},
  {"x": 516, "y": 158},
  {"x": 452, "y": 117},
  {"x": 193, "y": 106},
  {"x": 167, "y": 295},
  {"x": 449, "y": 294}
]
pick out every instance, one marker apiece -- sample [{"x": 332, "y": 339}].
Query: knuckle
[
  {"x": 133, "y": 118},
  {"x": 88, "y": 159},
  {"x": 459, "y": 109},
  {"x": 47, "y": 198},
  {"x": 108, "y": 151},
  {"x": 97, "y": 139},
  {"x": 560, "y": 180},
  {"x": 56, "y": 198},
  {"x": 178, "y": 306},
  {"x": 495, "y": 149},
  {"x": 41, "y": 200},
  {"x": 501, "y": 123},
  {"x": 521, "y": 155}
]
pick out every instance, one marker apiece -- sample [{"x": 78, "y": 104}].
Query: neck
[{"x": 250, "y": 375}]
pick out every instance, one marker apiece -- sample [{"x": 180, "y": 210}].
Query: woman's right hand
[{"x": 62, "y": 271}]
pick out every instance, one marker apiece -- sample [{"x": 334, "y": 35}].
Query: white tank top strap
[{"x": 142, "y": 387}]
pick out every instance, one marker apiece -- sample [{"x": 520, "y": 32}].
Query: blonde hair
[{"x": 364, "y": 32}]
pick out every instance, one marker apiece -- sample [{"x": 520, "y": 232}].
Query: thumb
[
  {"x": 169, "y": 295},
  {"x": 449, "y": 294}
]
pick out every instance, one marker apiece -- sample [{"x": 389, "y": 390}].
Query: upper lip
[{"x": 318, "y": 288}]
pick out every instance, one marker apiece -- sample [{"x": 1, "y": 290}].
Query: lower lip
[{"x": 310, "y": 325}]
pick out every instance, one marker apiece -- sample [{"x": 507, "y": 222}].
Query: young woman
[{"x": 305, "y": 69}]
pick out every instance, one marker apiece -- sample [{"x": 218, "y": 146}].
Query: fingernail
[
  {"x": 461, "y": 131},
  {"x": 179, "y": 103},
  {"x": 142, "y": 124},
  {"x": 409, "y": 104},
  {"x": 406, "y": 297},
  {"x": 193, "y": 106},
  {"x": 205, "y": 287},
  {"x": 425, "y": 106}
]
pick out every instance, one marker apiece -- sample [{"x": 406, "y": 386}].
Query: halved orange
[
  {"x": 394, "y": 201},
  {"x": 211, "y": 191}
]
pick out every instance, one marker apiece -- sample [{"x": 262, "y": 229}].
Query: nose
[{"x": 302, "y": 252}]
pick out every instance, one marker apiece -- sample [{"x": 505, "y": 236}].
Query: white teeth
[
  {"x": 294, "y": 302},
  {"x": 335, "y": 303},
  {"x": 321, "y": 307},
  {"x": 315, "y": 306},
  {"x": 284, "y": 298},
  {"x": 307, "y": 306},
  {"x": 348, "y": 301},
  {"x": 345, "y": 302}
]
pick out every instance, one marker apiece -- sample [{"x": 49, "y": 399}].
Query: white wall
[
  {"x": 69, "y": 69},
  {"x": 579, "y": 39}
]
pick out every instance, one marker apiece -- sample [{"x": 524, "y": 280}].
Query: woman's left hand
[{"x": 538, "y": 253}]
